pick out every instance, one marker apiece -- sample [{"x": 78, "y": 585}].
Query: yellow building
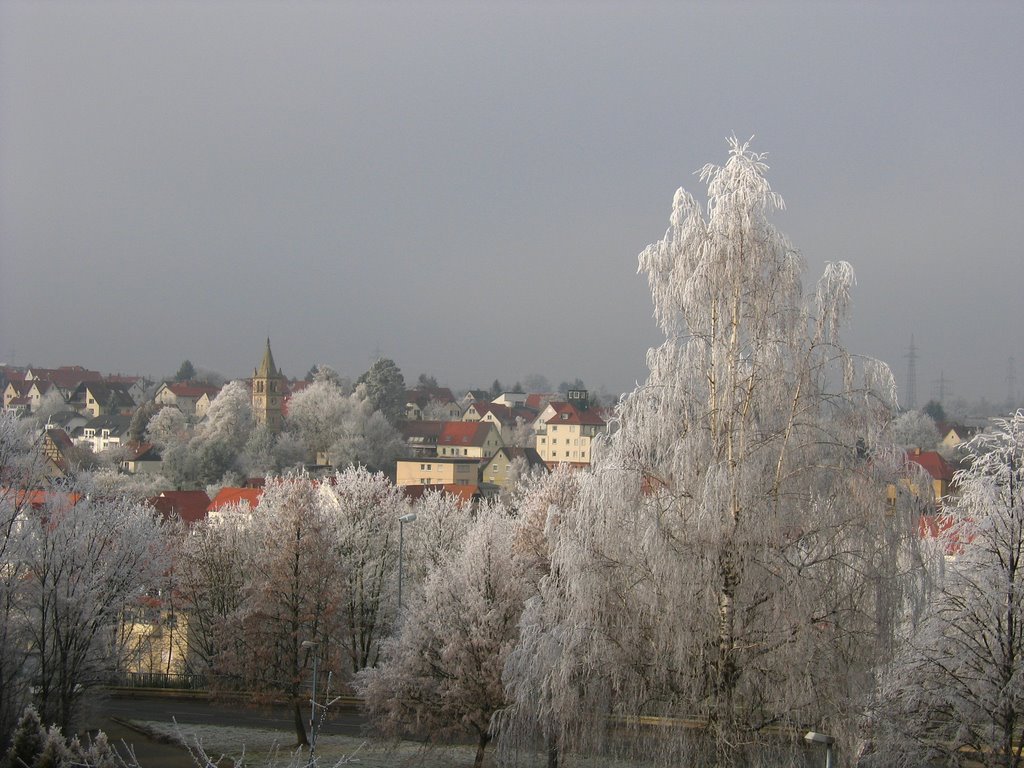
[
  {"x": 437, "y": 470},
  {"x": 565, "y": 434}
]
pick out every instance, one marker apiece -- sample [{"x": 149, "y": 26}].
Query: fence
[{"x": 160, "y": 680}]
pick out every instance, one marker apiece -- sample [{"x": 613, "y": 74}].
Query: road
[
  {"x": 110, "y": 714},
  {"x": 202, "y": 711}
]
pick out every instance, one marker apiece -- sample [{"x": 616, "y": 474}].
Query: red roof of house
[
  {"x": 464, "y": 433},
  {"x": 67, "y": 376},
  {"x": 37, "y": 499},
  {"x": 933, "y": 463},
  {"x": 566, "y": 413},
  {"x": 189, "y": 506},
  {"x": 137, "y": 451},
  {"x": 227, "y": 497}
]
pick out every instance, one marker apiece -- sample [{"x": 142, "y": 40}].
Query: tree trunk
[
  {"x": 480, "y": 747},
  {"x": 300, "y": 728},
  {"x": 726, "y": 673},
  {"x": 552, "y": 752}
]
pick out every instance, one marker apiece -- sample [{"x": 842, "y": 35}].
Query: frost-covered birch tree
[
  {"x": 728, "y": 566},
  {"x": 956, "y": 692}
]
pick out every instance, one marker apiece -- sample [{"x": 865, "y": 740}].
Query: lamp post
[
  {"x": 401, "y": 541},
  {"x": 812, "y": 737},
  {"x": 314, "y": 646}
]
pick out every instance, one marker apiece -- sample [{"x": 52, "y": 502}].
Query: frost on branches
[
  {"x": 440, "y": 678},
  {"x": 957, "y": 691},
  {"x": 729, "y": 564}
]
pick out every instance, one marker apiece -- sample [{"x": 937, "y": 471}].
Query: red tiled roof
[
  {"x": 37, "y": 499},
  {"x": 232, "y": 496},
  {"x": 938, "y": 526},
  {"x": 570, "y": 414},
  {"x": 67, "y": 376},
  {"x": 189, "y": 506},
  {"x": 464, "y": 433},
  {"x": 136, "y": 451},
  {"x": 933, "y": 463}
]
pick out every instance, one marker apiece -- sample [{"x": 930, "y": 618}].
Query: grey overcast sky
[{"x": 465, "y": 187}]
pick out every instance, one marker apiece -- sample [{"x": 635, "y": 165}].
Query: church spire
[{"x": 267, "y": 368}]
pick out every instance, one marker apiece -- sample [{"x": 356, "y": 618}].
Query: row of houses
[{"x": 472, "y": 441}]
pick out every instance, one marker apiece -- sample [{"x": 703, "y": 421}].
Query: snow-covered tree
[
  {"x": 210, "y": 583},
  {"x": 291, "y": 596},
  {"x": 914, "y": 429},
  {"x": 88, "y": 563},
  {"x": 441, "y": 677},
  {"x": 49, "y": 404},
  {"x": 365, "y": 508},
  {"x": 229, "y": 417},
  {"x": 317, "y": 415},
  {"x": 168, "y": 428},
  {"x": 344, "y": 429},
  {"x": 728, "y": 561},
  {"x": 442, "y": 520},
  {"x": 268, "y": 453},
  {"x": 23, "y": 466},
  {"x": 956, "y": 692},
  {"x": 366, "y": 437}
]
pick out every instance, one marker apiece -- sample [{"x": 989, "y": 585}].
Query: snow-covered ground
[{"x": 270, "y": 749}]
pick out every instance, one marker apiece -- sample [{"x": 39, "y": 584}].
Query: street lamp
[
  {"x": 401, "y": 540},
  {"x": 314, "y": 646},
  {"x": 812, "y": 737}
]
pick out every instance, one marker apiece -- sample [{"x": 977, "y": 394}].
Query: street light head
[
  {"x": 819, "y": 738},
  {"x": 310, "y": 644},
  {"x": 407, "y": 518}
]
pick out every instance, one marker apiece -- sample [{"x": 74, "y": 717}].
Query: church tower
[{"x": 268, "y": 393}]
